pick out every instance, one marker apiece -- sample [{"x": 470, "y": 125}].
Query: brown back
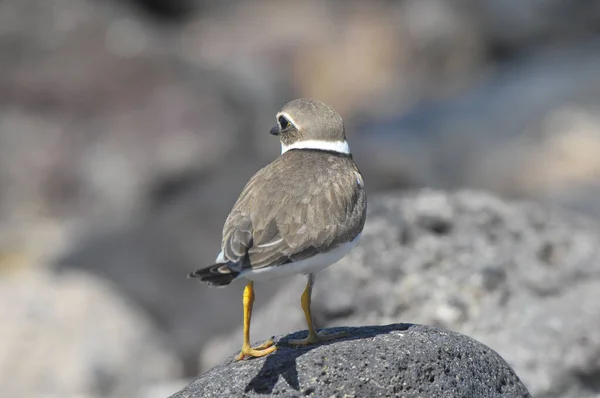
[{"x": 304, "y": 203}]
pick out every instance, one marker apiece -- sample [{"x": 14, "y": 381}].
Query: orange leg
[
  {"x": 313, "y": 336},
  {"x": 247, "y": 351}
]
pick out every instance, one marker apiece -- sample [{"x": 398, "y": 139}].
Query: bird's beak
[{"x": 275, "y": 130}]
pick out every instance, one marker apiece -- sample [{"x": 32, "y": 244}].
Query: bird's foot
[
  {"x": 313, "y": 338},
  {"x": 255, "y": 352}
]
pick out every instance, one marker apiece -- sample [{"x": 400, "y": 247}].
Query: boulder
[
  {"x": 372, "y": 361},
  {"x": 73, "y": 335}
]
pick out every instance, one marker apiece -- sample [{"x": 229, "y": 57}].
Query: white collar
[{"x": 334, "y": 146}]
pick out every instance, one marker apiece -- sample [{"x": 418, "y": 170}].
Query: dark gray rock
[
  {"x": 517, "y": 24},
  {"x": 521, "y": 278},
  {"x": 400, "y": 360}
]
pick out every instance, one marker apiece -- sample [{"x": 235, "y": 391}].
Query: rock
[
  {"x": 104, "y": 133},
  {"x": 72, "y": 335},
  {"x": 372, "y": 361},
  {"x": 515, "y": 24},
  {"x": 402, "y": 51},
  {"x": 521, "y": 278},
  {"x": 72, "y": 134},
  {"x": 530, "y": 129},
  {"x": 150, "y": 259}
]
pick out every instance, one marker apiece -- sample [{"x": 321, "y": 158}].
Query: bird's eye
[{"x": 283, "y": 122}]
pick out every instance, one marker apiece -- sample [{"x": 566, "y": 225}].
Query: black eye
[{"x": 283, "y": 122}]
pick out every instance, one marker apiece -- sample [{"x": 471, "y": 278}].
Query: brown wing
[{"x": 294, "y": 222}]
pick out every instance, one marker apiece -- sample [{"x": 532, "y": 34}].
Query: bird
[{"x": 299, "y": 214}]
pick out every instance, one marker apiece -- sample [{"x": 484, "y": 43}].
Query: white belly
[{"x": 307, "y": 266}]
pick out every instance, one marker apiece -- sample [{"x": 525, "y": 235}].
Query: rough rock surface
[
  {"x": 520, "y": 278},
  {"x": 374, "y": 361}
]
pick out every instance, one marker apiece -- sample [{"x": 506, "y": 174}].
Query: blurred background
[{"x": 128, "y": 128}]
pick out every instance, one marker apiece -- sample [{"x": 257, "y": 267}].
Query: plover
[{"x": 297, "y": 215}]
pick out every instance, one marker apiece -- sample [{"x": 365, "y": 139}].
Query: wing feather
[{"x": 290, "y": 225}]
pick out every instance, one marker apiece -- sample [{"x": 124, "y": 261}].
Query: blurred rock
[
  {"x": 515, "y": 24},
  {"x": 377, "y": 58},
  {"x": 102, "y": 129},
  {"x": 372, "y": 361},
  {"x": 70, "y": 334},
  {"x": 94, "y": 111},
  {"x": 530, "y": 131},
  {"x": 149, "y": 261},
  {"x": 518, "y": 277},
  {"x": 170, "y": 11}
]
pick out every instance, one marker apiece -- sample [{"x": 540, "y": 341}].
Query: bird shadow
[{"x": 283, "y": 361}]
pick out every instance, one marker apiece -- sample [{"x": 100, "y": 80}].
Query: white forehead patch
[{"x": 334, "y": 146}]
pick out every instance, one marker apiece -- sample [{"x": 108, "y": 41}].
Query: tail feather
[{"x": 215, "y": 275}]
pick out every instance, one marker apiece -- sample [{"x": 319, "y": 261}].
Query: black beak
[{"x": 275, "y": 130}]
